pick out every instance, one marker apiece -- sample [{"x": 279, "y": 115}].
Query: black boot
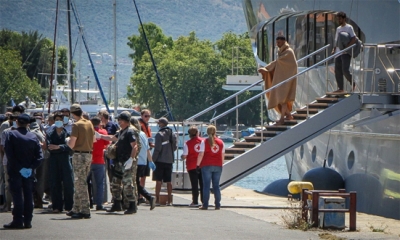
[
  {"x": 116, "y": 207},
  {"x": 132, "y": 208}
]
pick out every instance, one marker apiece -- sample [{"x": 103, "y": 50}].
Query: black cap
[
  {"x": 125, "y": 115},
  {"x": 163, "y": 120},
  {"x": 24, "y": 118}
]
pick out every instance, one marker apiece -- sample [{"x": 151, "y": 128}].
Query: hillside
[{"x": 208, "y": 18}]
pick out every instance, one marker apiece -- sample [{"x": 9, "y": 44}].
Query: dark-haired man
[
  {"x": 345, "y": 37},
  {"x": 20, "y": 167},
  {"x": 163, "y": 157},
  {"x": 81, "y": 141}
]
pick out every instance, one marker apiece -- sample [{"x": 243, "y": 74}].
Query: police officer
[
  {"x": 20, "y": 167},
  {"x": 125, "y": 164}
]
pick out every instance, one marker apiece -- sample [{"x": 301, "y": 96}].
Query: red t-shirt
[
  {"x": 191, "y": 149},
  {"x": 212, "y": 155},
  {"x": 98, "y": 148}
]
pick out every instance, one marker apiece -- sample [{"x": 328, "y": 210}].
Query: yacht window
[
  {"x": 314, "y": 154},
  {"x": 330, "y": 157},
  {"x": 350, "y": 160}
]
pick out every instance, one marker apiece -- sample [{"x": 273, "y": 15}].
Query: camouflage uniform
[
  {"x": 124, "y": 180},
  {"x": 81, "y": 164}
]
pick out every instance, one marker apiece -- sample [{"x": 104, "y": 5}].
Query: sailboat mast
[
  {"x": 52, "y": 62},
  {"x": 115, "y": 60},
  {"x": 69, "y": 54}
]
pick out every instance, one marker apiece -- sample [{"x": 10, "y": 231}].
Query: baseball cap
[
  {"x": 125, "y": 115},
  {"x": 75, "y": 107},
  {"x": 24, "y": 118},
  {"x": 163, "y": 120}
]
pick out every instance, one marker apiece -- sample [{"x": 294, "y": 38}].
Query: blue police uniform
[{"x": 23, "y": 151}]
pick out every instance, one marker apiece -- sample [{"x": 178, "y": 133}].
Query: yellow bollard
[{"x": 297, "y": 187}]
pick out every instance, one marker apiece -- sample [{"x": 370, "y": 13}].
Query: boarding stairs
[
  {"x": 310, "y": 121},
  {"x": 265, "y": 146}
]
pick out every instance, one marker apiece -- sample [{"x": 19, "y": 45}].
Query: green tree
[
  {"x": 13, "y": 80},
  {"x": 193, "y": 72}
]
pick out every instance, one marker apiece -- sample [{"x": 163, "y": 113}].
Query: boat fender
[{"x": 296, "y": 187}]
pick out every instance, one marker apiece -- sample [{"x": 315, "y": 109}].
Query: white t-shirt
[{"x": 346, "y": 28}]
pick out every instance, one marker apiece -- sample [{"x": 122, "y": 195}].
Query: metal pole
[
  {"x": 115, "y": 61},
  {"x": 52, "y": 62},
  {"x": 80, "y": 63},
  {"x": 326, "y": 70},
  {"x": 237, "y": 118},
  {"x": 69, "y": 54},
  {"x": 262, "y": 119}
]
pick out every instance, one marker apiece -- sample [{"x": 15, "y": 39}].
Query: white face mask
[
  {"x": 65, "y": 120},
  {"x": 39, "y": 121},
  {"x": 14, "y": 124},
  {"x": 58, "y": 124}
]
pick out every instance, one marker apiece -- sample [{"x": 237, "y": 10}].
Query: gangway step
[
  {"x": 304, "y": 110},
  {"x": 338, "y": 95},
  {"x": 266, "y": 133},
  {"x": 327, "y": 100},
  {"x": 290, "y": 122},
  {"x": 244, "y": 144},
  {"x": 300, "y": 116},
  {"x": 235, "y": 150},
  {"x": 319, "y": 105},
  {"x": 277, "y": 128},
  {"x": 255, "y": 139},
  {"x": 230, "y": 156}
]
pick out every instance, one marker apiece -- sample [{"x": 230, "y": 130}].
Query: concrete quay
[{"x": 245, "y": 214}]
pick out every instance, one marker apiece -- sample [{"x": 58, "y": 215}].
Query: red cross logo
[
  {"x": 215, "y": 149},
  {"x": 197, "y": 147}
]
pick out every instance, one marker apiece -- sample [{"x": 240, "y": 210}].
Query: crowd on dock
[{"x": 64, "y": 159}]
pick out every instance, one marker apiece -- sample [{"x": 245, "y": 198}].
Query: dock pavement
[{"x": 245, "y": 214}]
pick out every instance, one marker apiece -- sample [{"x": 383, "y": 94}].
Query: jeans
[
  {"x": 98, "y": 178},
  {"x": 211, "y": 174},
  {"x": 342, "y": 67},
  {"x": 21, "y": 189},
  {"x": 61, "y": 182},
  {"x": 196, "y": 180}
]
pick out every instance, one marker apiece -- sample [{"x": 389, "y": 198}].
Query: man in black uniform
[{"x": 20, "y": 167}]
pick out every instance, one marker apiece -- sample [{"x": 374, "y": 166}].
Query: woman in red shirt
[
  {"x": 191, "y": 151},
  {"x": 97, "y": 169},
  {"x": 210, "y": 160}
]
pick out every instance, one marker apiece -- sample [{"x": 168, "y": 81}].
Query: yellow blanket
[{"x": 278, "y": 71}]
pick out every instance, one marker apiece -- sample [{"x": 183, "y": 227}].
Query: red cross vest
[
  {"x": 213, "y": 155},
  {"x": 193, "y": 152}
]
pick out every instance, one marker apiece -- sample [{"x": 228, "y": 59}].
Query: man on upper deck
[{"x": 345, "y": 37}]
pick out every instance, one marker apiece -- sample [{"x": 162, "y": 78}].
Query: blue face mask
[
  {"x": 65, "y": 120},
  {"x": 58, "y": 124},
  {"x": 14, "y": 124}
]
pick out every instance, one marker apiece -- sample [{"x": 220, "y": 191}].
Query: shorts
[
  {"x": 147, "y": 170},
  {"x": 163, "y": 172},
  {"x": 141, "y": 170}
]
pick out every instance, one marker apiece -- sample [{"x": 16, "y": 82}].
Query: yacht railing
[
  {"x": 281, "y": 83},
  {"x": 249, "y": 87}
]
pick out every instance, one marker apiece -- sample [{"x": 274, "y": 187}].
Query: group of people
[{"x": 282, "y": 97}]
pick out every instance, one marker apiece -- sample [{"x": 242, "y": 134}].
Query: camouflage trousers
[
  {"x": 81, "y": 164},
  {"x": 124, "y": 182}
]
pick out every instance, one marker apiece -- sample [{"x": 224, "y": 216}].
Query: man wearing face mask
[
  {"x": 61, "y": 175},
  {"x": 4, "y": 129},
  {"x": 66, "y": 120},
  {"x": 20, "y": 167}
]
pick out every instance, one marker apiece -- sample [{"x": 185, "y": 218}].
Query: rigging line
[
  {"x": 327, "y": 145},
  {"x": 52, "y": 61},
  {"x": 76, "y": 43},
  {"x": 90, "y": 58},
  {"x": 154, "y": 64}
]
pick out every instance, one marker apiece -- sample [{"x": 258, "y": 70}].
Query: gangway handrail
[
  {"x": 281, "y": 83},
  {"x": 248, "y": 87}
]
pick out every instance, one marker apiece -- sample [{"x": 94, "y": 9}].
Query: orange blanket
[{"x": 278, "y": 71}]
